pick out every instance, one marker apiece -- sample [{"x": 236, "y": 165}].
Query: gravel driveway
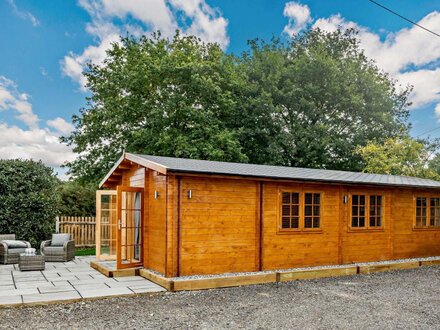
[{"x": 399, "y": 299}]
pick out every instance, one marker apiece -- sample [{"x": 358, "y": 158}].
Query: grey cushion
[
  {"x": 59, "y": 239},
  {"x": 53, "y": 250},
  {"x": 14, "y": 244},
  {"x": 17, "y": 250}
]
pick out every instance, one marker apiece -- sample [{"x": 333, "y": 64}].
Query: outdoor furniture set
[{"x": 12, "y": 251}]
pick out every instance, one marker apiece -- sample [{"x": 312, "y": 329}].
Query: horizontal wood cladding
[
  {"x": 156, "y": 229},
  {"x": 300, "y": 248},
  {"x": 364, "y": 244},
  {"x": 134, "y": 177},
  {"x": 408, "y": 241},
  {"x": 217, "y": 226}
]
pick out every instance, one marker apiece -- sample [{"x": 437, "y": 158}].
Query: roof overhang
[{"x": 132, "y": 158}]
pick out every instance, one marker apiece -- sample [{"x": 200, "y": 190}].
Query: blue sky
[{"x": 46, "y": 43}]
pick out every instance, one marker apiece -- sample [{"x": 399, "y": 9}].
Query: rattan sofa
[
  {"x": 9, "y": 254},
  {"x": 64, "y": 251}
]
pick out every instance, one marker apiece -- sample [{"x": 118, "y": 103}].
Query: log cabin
[{"x": 180, "y": 217}]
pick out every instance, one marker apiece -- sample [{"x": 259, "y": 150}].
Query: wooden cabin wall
[
  {"x": 218, "y": 229},
  {"x": 410, "y": 242},
  {"x": 364, "y": 245},
  {"x": 135, "y": 177},
  {"x": 283, "y": 249},
  {"x": 155, "y": 229}
]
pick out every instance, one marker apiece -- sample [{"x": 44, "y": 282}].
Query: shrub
[
  {"x": 28, "y": 200},
  {"x": 77, "y": 199}
]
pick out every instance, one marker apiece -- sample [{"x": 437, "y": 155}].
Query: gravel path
[{"x": 400, "y": 299}]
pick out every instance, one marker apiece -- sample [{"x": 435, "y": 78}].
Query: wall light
[
  {"x": 345, "y": 199},
  {"x": 190, "y": 194},
  {"x": 156, "y": 194}
]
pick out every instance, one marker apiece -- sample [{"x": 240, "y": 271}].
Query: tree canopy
[
  {"x": 28, "y": 199},
  {"x": 309, "y": 102},
  {"x": 401, "y": 156}
]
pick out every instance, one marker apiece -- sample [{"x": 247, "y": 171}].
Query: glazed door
[
  {"x": 130, "y": 224},
  {"x": 106, "y": 224}
]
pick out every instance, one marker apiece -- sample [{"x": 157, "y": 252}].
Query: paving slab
[
  {"x": 129, "y": 279},
  {"x": 27, "y": 285},
  {"x": 10, "y": 300},
  {"x": 18, "y": 292},
  {"x": 146, "y": 289},
  {"x": 65, "y": 281},
  {"x": 50, "y": 297},
  {"x": 93, "y": 293},
  {"x": 64, "y": 288}
]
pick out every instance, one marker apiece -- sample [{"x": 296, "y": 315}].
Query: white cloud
[
  {"x": 409, "y": 55},
  {"x": 11, "y": 99},
  {"x": 154, "y": 13},
  {"x": 205, "y": 22},
  {"x": 23, "y": 14},
  {"x": 426, "y": 85},
  {"x": 60, "y": 125},
  {"x": 299, "y": 17},
  {"x": 31, "y": 142},
  {"x": 34, "y": 144}
]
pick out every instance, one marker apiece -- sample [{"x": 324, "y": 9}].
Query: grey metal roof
[{"x": 282, "y": 172}]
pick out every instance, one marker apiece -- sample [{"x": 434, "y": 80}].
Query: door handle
[{"x": 119, "y": 224}]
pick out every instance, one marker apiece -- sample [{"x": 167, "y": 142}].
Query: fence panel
[{"x": 81, "y": 229}]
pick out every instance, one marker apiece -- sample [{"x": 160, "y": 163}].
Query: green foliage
[
  {"x": 77, "y": 199},
  {"x": 85, "y": 252},
  {"x": 324, "y": 98},
  {"x": 308, "y": 103},
  {"x": 402, "y": 156},
  {"x": 28, "y": 200},
  {"x": 158, "y": 96}
]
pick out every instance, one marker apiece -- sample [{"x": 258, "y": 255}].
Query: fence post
[{"x": 57, "y": 225}]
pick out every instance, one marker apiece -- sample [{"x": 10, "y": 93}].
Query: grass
[{"x": 85, "y": 251}]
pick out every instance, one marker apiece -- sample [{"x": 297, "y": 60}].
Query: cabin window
[
  {"x": 300, "y": 210},
  {"x": 375, "y": 211},
  {"x": 421, "y": 207},
  {"x": 434, "y": 218},
  {"x": 312, "y": 204},
  {"x": 427, "y": 212},
  {"x": 366, "y": 211},
  {"x": 358, "y": 211}
]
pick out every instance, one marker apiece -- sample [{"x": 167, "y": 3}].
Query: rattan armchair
[
  {"x": 10, "y": 254},
  {"x": 62, "y": 253}
]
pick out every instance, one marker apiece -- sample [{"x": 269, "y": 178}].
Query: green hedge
[{"x": 28, "y": 200}]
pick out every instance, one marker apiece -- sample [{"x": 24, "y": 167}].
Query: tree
[
  {"x": 28, "y": 199},
  {"x": 308, "y": 103},
  {"x": 402, "y": 156},
  {"x": 76, "y": 199},
  {"x": 315, "y": 99},
  {"x": 158, "y": 96}
]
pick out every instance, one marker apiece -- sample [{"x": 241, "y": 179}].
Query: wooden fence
[{"x": 81, "y": 229}]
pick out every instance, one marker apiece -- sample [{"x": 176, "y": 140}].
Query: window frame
[
  {"x": 301, "y": 228},
  {"x": 367, "y": 226},
  {"x": 428, "y": 225}
]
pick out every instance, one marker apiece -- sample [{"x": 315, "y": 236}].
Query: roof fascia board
[
  {"x": 135, "y": 159},
  {"x": 147, "y": 163},
  {"x": 120, "y": 160}
]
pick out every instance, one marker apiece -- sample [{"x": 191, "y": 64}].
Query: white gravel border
[{"x": 373, "y": 263}]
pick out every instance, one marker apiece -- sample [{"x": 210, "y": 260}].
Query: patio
[{"x": 66, "y": 281}]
